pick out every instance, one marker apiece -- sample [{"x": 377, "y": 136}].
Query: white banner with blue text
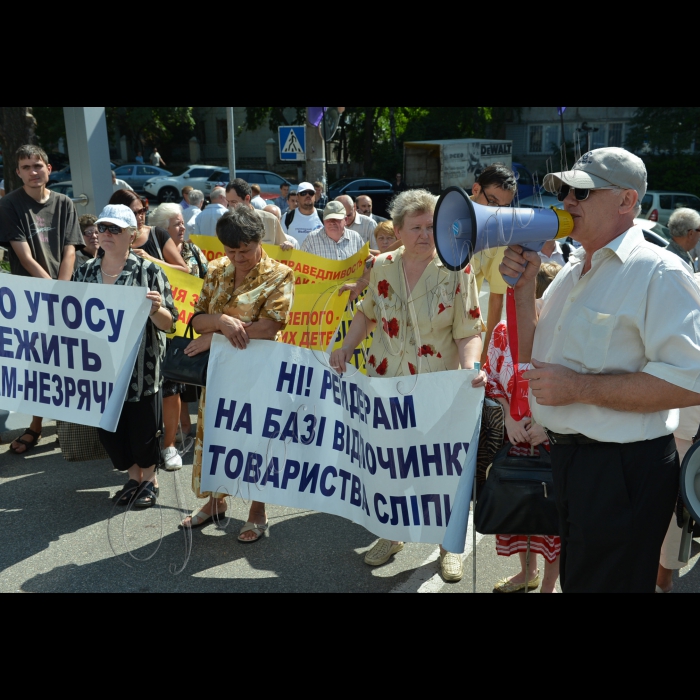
[
  {"x": 395, "y": 455},
  {"x": 67, "y": 349}
]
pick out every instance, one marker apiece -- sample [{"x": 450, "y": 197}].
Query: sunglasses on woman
[
  {"x": 580, "y": 193},
  {"x": 111, "y": 228}
]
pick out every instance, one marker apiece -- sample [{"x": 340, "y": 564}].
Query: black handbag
[
  {"x": 181, "y": 368},
  {"x": 518, "y": 497}
]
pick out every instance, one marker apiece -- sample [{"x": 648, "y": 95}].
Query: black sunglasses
[
  {"x": 307, "y": 193},
  {"x": 111, "y": 228},
  {"x": 580, "y": 193}
]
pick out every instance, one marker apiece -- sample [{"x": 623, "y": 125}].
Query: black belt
[{"x": 574, "y": 439}]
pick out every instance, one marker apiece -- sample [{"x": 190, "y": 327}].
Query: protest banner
[
  {"x": 308, "y": 268},
  {"x": 395, "y": 455},
  {"x": 315, "y": 315},
  {"x": 67, "y": 349},
  {"x": 186, "y": 290},
  {"x": 312, "y": 269}
]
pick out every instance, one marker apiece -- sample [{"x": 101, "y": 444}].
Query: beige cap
[
  {"x": 603, "y": 167},
  {"x": 334, "y": 210}
]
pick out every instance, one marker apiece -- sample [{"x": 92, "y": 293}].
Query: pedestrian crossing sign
[{"x": 292, "y": 142}]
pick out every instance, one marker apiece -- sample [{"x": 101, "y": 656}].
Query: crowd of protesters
[{"x": 607, "y": 339}]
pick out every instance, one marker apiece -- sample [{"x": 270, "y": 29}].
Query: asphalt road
[{"x": 62, "y": 533}]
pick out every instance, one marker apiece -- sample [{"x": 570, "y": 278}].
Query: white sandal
[
  {"x": 259, "y": 530},
  {"x": 198, "y": 518}
]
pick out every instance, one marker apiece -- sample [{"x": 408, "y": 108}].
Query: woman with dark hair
[
  {"x": 245, "y": 295},
  {"x": 152, "y": 243}
]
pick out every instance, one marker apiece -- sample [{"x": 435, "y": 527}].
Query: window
[
  {"x": 546, "y": 138},
  {"x": 686, "y": 200},
  {"x": 646, "y": 203},
  {"x": 615, "y": 135},
  {"x": 146, "y": 170},
  {"x": 274, "y": 179},
  {"x": 124, "y": 170},
  {"x": 665, "y": 201},
  {"x": 535, "y": 139},
  {"x": 218, "y": 175},
  {"x": 199, "y": 172}
]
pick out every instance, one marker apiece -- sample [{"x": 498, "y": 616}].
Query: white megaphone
[
  {"x": 463, "y": 228},
  {"x": 690, "y": 493}
]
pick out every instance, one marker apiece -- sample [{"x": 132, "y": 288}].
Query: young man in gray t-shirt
[{"x": 42, "y": 229}]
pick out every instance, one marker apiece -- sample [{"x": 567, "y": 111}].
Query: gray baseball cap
[
  {"x": 603, "y": 167},
  {"x": 334, "y": 210}
]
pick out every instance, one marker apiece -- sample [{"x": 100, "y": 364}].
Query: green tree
[
  {"x": 17, "y": 126},
  {"x": 664, "y": 129},
  {"x": 149, "y": 125}
]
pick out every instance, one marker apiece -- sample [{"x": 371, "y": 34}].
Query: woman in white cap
[{"x": 134, "y": 447}]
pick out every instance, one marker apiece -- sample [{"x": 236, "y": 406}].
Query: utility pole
[
  {"x": 230, "y": 143},
  {"x": 315, "y": 153},
  {"x": 88, "y": 150}
]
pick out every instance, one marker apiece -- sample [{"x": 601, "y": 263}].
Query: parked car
[
  {"x": 64, "y": 187},
  {"x": 64, "y": 174},
  {"x": 269, "y": 183},
  {"x": 526, "y": 183},
  {"x": 169, "y": 189},
  {"x": 379, "y": 190},
  {"x": 658, "y": 205},
  {"x": 136, "y": 174}
]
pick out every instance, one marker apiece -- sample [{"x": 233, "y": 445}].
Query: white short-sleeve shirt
[{"x": 636, "y": 310}]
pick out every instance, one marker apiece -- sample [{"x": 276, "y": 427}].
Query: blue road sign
[{"x": 292, "y": 142}]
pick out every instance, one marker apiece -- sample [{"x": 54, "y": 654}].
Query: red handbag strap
[{"x": 519, "y": 403}]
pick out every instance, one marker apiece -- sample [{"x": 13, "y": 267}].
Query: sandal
[
  {"x": 199, "y": 518},
  {"x": 128, "y": 493},
  {"x": 27, "y": 445},
  {"x": 259, "y": 530},
  {"x": 147, "y": 495}
]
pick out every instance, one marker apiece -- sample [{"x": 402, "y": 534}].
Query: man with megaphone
[{"x": 615, "y": 351}]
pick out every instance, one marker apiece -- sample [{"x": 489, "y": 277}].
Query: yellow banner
[
  {"x": 186, "y": 289},
  {"x": 318, "y": 312},
  {"x": 316, "y": 315},
  {"x": 307, "y": 267}
]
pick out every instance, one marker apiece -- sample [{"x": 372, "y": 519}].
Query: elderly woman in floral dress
[
  {"x": 245, "y": 295},
  {"x": 427, "y": 319}
]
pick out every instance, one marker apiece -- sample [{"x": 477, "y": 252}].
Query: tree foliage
[
  {"x": 149, "y": 125},
  {"x": 17, "y": 126},
  {"x": 664, "y": 129}
]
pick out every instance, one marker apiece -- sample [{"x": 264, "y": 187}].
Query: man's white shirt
[
  {"x": 205, "y": 223},
  {"x": 636, "y": 310},
  {"x": 302, "y": 224}
]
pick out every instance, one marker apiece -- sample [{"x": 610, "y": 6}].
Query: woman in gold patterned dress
[{"x": 246, "y": 295}]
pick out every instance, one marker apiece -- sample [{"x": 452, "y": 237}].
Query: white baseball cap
[
  {"x": 117, "y": 214},
  {"x": 603, "y": 167},
  {"x": 305, "y": 186}
]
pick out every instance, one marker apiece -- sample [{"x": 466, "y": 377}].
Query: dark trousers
[{"x": 615, "y": 502}]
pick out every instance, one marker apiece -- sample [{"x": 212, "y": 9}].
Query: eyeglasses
[
  {"x": 111, "y": 228},
  {"x": 307, "y": 193},
  {"x": 580, "y": 193}
]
